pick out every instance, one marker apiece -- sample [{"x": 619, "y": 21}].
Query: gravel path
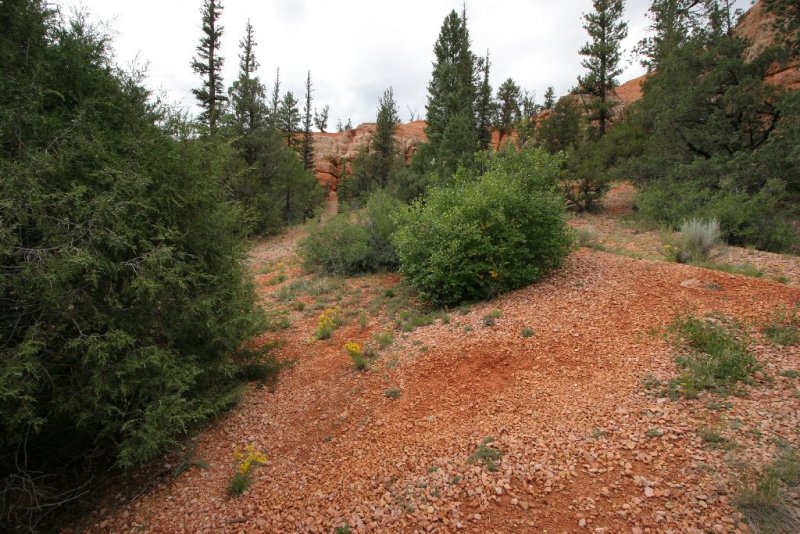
[{"x": 585, "y": 447}]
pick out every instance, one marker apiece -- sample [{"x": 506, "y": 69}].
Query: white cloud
[{"x": 357, "y": 48}]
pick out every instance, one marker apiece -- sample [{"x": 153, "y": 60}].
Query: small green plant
[
  {"x": 784, "y": 327},
  {"x": 782, "y": 279},
  {"x": 744, "y": 269},
  {"x": 486, "y": 455},
  {"x": 277, "y": 279},
  {"x": 299, "y": 306},
  {"x": 189, "y": 461},
  {"x": 764, "y": 502},
  {"x": 587, "y": 236},
  {"x": 698, "y": 239},
  {"x": 383, "y": 339},
  {"x": 246, "y": 462},
  {"x": 650, "y": 382},
  {"x": 362, "y": 319},
  {"x": 328, "y": 322},
  {"x": 709, "y": 435},
  {"x": 392, "y": 393},
  {"x": 654, "y": 433},
  {"x": 344, "y": 529},
  {"x": 715, "y": 356},
  {"x": 356, "y": 355},
  {"x": 491, "y": 318},
  {"x": 277, "y": 320},
  {"x": 389, "y": 293},
  {"x": 526, "y": 332},
  {"x": 597, "y": 433}
]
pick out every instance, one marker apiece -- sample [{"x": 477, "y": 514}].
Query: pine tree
[
  {"x": 606, "y": 30},
  {"x": 508, "y": 111},
  {"x": 208, "y": 64},
  {"x": 384, "y": 146},
  {"x": 451, "y": 124},
  {"x": 788, "y": 22},
  {"x": 307, "y": 144},
  {"x": 348, "y": 125},
  {"x": 339, "y": 127},
  {"x": 549, "y": 99},
  {"x": 247, "y": 98},
  {"x": 484, "y": 106},
  {"x": 275, "y": 101},
  {"x": 321, "y": 118},
  {"x": 288, "y": 118},
  {"x": 671, "y": 22}
]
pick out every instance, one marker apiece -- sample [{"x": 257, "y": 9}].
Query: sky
[{"x": 355, "y": 49}]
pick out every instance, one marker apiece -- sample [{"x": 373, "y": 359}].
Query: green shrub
[
  {"x": 485, "y": 235},
  {"x": 123, "y": 295},
  {"x": 698, "y": 239},
  {"x": 350, "y": 244},
  {"x": 784, "y": 327}
]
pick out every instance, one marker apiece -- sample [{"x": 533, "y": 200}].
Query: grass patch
[
  {"x": 190, "y": 460},
  {"x": 491, "y": 318},
  {"x": 277, "y": 279},
  {"x": 486, "y": 455},
  {"x": 744, "y": 269},
  {"x": 784, "y": 327},
  {"x": 409, "y": 320},
  {"x": 715, "y": 356},
  {"x": 764, "y": 501},
  {"x": 239, "y": 483},
  {"x": 713, "y": 438},
  {"x": 277, "y": 320},
  {"x": 392, "y": 393},
  {"x": 526, "y": 332},
  {"x": 383, "y": 339},
  {"x": 586, "y": 236}
]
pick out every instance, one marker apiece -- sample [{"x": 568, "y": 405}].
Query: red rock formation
[
  {"x": 334, "y": 151},
  {"x": 757, "y": 26}
]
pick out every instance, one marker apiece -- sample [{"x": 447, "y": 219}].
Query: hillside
[{"x": 465, "y": 424}]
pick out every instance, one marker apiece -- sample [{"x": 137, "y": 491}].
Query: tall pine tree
[
  {"x": 307, "y": 144},
  {"x": 247, "y": 97},
  {"x": 287, "y": 118},
  {"x": 606, "y": 30},
  {"x": 484, "y": 106},
  {"x": 451, "y": 123},
  {"x": 508, "y": 101},
  {"x": 208, "y": 64}
]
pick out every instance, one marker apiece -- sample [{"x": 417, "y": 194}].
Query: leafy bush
[
  {"x": 123, "y": 296},
  {"x": 337, "y": 246},
  {"x": 698, "y": 239},
  {"x": 487, "y": 234},
  {"x": 352, "y": 244}
]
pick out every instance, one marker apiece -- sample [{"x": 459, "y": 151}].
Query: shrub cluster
[
  {"x": 485, "y": 234},
  {"x": 355, "y": 243}
]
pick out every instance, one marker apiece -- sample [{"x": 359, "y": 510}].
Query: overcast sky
[{"x": 357, "y": 48}]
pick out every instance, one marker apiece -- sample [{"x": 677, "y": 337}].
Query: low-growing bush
[
  {"x": 349, "y": 244},
  {"x": 485, "y": 235},
  {"x": 698, "y": 240}
]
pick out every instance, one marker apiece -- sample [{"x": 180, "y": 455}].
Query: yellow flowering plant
[
  {"x": 246, "y": 461},
  {"x": 327, "y": 323},
  {"x": 354, "y": 351}
]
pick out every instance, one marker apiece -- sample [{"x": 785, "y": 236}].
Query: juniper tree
[
  {"x": 321, "y": 118},
  {"x": 307, "y": 144},
  {"x": 208, "y": 64},
  {"x": 606, "y": 30}
]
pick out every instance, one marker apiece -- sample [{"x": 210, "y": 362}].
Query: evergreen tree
[
  {"x": 288, "y": 118},
  {"x": 787, "y": 23},
  {"x": 671, "y": 22},
  {"x": 484, "y": 107},
  {"x": 526, "y": 126},
  {"x": 383, "y": 146},
  {"x": 451, "y": 122},
  {"x": 339, "y": 127},
  {"x": 247, "y": 98},
  {"x": 321, "y": 118},
  {"x": 549, "y": 98},
  {"x": 606, "y": 30},
  {"x": 562, "y": 129},
  {"x": 348, "y": 125},
  {"x": 208, "y": 64},
  {"x": 508, "y": 106},
  {"x": 275, "y": 101},
  {"x": 307, "y": 144}
]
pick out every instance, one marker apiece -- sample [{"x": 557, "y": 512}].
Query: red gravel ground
[{"x": 585, "y": 447}]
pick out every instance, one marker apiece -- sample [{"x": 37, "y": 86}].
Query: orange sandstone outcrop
[
  {"x": 757, "y": 25},
  {"x": 334, "y": 151}
]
